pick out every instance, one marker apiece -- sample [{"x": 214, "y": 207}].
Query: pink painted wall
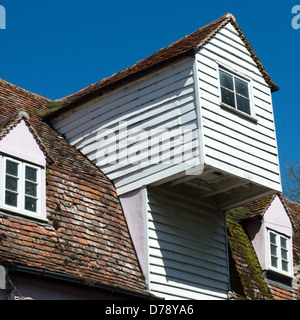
[
  {"x": 276, "y": 218},
  {"x": 134, "y": 207},
  {"x": 257, "y": 237},
  {"x": 21, "y": 144}
]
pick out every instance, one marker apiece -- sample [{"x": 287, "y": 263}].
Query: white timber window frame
[
  {"x": 21, "y": 187},
  {"x": 236, "y": 95},
  {"x": 280, "y": 255}
]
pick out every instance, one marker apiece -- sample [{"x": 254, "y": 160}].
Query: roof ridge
[{"x": 269, "y": 204}]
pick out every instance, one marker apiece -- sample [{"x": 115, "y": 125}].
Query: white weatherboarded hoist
[{"x": 185, "y": 135}]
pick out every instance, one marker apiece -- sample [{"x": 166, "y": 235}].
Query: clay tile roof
[
  {"x": 294, "y": 211},
  {"x": 185, "y": 46},
  {"x": 87, "y": 235},
  {"x": 259, "y": 207}
]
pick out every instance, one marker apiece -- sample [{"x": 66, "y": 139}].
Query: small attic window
[
  {"x": 235, "y": 92},
  {"x": 280, "y": 257},
  {"x": 21, "y": 187}
]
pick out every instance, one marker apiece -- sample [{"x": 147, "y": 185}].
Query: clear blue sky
[{"x": 55, "y": 48}]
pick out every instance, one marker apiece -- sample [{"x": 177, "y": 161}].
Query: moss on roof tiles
[
  {"x": 240, "y": 213},
  {"x": 52, "y": 105},
  {"x": 245, "y": 262}
]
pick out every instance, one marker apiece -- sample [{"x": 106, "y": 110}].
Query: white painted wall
[{"x": 187, "y": 247}]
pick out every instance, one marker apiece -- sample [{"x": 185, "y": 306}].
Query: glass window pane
[
  {"x": 274, "y": 262},
  {"x": 30, "y": 204},
  {"x": 11, "y": 183},
  {"x": 273, "y": 250},
  {"x": 226, "y": 80},
  {"x": 30, "y": 174},
  {"x": 273, "y": 238},
  {"x": 30, "y": 189},
  {"x": 285, "y": 266},
  {"x": 284, "y": 254},
  {"x": 12, "y": 168},
  {"x": 243, "y": 104},
  {"x": 11, "y": 199},
  {"x": 241, "y": 87},
  {"x": 283, "y": 243},
  {"x": 228, "y": 97}
]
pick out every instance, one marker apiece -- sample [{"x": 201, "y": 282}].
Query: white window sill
[
  {"x": 282, "y": 273},
  {"x": 238, "y": 112},
  {"x": 17, "y": 213}
]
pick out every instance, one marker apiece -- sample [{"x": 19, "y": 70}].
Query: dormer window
[
  {"x": 279, "y": 252},
  {"x": 21, "y": 190},
  {"x": 271, "y": 234},
  {"x": 22, "y": 170},
  {"x": 235, "y": 92}
]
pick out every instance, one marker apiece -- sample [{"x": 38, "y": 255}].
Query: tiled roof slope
[
  {"x": 243, "y": 257},
  {"x": 258, "y": 207},
  {"x": 294, "y": 211},
  {"x": 185, "y": 46},
  {"x": 87, "y": 237}
]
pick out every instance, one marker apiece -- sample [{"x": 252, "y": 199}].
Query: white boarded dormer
[
  {"x": 164, "y": 120},
  {"x": 240, "y": 143}
]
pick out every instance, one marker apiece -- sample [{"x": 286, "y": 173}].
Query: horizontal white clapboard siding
[
  {"x": 245, "y": 147},
  {"x": 180, "y": 293},
  {"x": 124, "y": 131},
  {"x": 120, "y": 97},
  {"x": 187, "y": 248},
  {"x": 138, "y": 133}
]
